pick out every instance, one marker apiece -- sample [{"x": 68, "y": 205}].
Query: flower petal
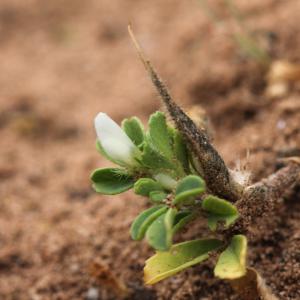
[{"x": 114, "y": 140}]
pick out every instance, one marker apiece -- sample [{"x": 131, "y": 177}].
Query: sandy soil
[{"x": 64, "y": 61}]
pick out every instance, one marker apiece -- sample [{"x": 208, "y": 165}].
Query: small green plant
[
  {"x": 184, "y": 177},
  {"x": 156, "y": 164}
]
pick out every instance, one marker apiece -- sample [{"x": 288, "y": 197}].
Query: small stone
[
  {"x": 92, "y": 294},
  {"x": 281, "y": 124}
]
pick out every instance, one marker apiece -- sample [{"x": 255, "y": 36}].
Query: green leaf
[
  {"x": 133, "y": 127},
  {"x": 188, "y": 188},
  {"x": 181, "y": 219},
  {"x": 219, "y": 210},
  {"x": 232, "y": 262},
  {"x": 159, "y": 134},
  {"x": 168, "y": 182},
  {"x": 144, "y": 186},
  {"x": 181, "y": 256},
  {"x": 181, "y": 151},
  {"x": 144, "y": 220},
  {"x": 157, "y": 196},
  {"x": 111, "y": 181},
  {"x": 154, "y": 160},
  {"x": 159, "y": 234}
]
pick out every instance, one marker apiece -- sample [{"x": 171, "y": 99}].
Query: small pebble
[
  {"x": 92, "y": 294},
  {"x": 281, "y": 124}
]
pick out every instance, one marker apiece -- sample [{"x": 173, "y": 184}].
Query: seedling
[
  {"x": 184, "y": 178},
  {"x": 157, "y": 164}
]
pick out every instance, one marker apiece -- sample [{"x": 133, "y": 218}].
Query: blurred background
[{"x": 63, "y": 61}]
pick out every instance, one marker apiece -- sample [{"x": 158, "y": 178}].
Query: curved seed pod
[{"x": 210, "y": 163}]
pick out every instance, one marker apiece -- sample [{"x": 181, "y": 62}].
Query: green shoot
[{"x": 156, "y": 164}]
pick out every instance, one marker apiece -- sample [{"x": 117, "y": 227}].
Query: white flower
[
  {"x": 166, "y": 181},
  {"x": 114, "y": 140}
]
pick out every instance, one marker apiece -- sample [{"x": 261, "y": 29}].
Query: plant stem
[
  {"x": 260, "y": 198},
  {"x": 252, "y": 287}
]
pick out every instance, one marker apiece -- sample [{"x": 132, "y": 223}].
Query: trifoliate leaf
[
  {"x": 159, "y": 234},
  {"x": 188, "y": 188},
  {"x": 133, "y": 127},
  {"x": 181, "y": 219},
  {"x": 111, "y": 181},
  {"x": 232, "y": 262},
  {"x": 157, "y": 196},
  {"x": 144, "y": 220},
  {"x": 219, "y": 210},
  {"x": 146, "y": 185},
  {"x": 181, "y": 256},
  {"x": 159, "y": 134}
]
